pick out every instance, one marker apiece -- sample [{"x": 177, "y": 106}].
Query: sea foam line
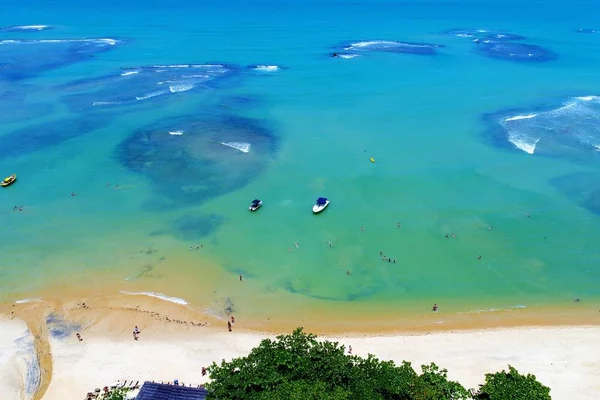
[
  {"x": 31, "y": 300},
  {"x": 160, "y": 296},
  {"x": 518, "y": 117},
  {"x": 243, "y": 147},
  {"x": 109, "y": 41},
  {"x": 523, "y": 143}
]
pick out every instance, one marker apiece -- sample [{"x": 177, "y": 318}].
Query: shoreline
[
  {"x": 330, "y": 318},
  {"x": 175, "y": 343}
]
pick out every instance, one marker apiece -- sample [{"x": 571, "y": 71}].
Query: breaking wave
[
  {"x": 571, "y": 129},
  {"x": 132, "y": 85},
  {"x": 243, "y": 147},
  {"x": 392, "y": 46},
  {"x": 160, "y": 296},
  {"x": 266, "y": 68},
  {"x": 24, "y": 28}
]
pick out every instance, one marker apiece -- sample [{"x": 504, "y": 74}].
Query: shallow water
[{"x": 274, "y": 116}]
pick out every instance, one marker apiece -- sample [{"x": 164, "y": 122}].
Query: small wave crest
[
  {"x": 241, "y": 146},
  {"x": 25, "y": 28},
  {"x": 102, "y": 41},
  {"x": 267, "y": 68},
  {"x": 105, "y": 103},
  {"x": 491, "y": 310},
  {"x": 28, "y": 300},
  {"x": 182, "y": 87},
  {"x": 518, "y": 117},
  {"x": 126, "y": 73},
  {"x": 149, "y": 95},
  {"x": 160, "y": 296},
  {"x": 176, "y": 133}
]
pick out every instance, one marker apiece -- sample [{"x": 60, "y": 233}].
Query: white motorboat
[
  {"x": 256, "y": 203},
  {"x": 320, "y": 205}
]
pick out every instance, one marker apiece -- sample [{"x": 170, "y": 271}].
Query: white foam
[
  {"x": 149, "y": 95},
  {"x": 130, "y": 73},
  {"x": 176, "y": 133},
  {"x": 243, "y": 147},
  {"x": 521, "y": 142},
  {"x": 348, "y": 56},
  {"x": 588, "y": 98},
  {"x": 267, "y": 68},
  {"x": 32, "y": 300},
  {"x": 105, "y": 103},
  {"x": 383, "y": 43},
  {"x": 31, "y": 27},
  {"x": 182, "y": 87},
  {"x": 518, "y": 117},
  {"x": 160, "y": 296},
  {"x": 109, "y": 41}
]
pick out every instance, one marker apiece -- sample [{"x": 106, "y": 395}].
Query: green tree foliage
[
  {"x": 512, "y": 386},
  {"x": 298, "y": 367},
  {"x": 117, "y": 394}
]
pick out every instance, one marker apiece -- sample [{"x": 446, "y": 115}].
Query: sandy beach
[{"x": 176, "y": 342}]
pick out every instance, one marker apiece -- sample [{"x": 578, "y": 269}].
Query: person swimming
[
  {"x": 435, "y": 307},
  {"x": 334, "y": 55}
]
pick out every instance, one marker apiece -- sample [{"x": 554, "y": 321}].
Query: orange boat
[{"x": 9, "y": 180}]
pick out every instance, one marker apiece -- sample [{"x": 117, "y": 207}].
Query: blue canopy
[
  {"x": 158, "y": 391},
  {"x": 321, "y": 201},
  {"x": 255, "y": 201}
]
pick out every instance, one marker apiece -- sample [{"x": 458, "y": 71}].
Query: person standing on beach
[
  {"x": 229, "y": 326},
  {"x": 241, "y": 279}
]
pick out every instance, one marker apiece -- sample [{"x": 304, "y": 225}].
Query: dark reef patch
[
  {"x": 570, "y": 129},
  {"x": 145, "y": 84},
  {"x": 191, "y": 159},
  {"x": 43, "y": 135},
  {"x": 518, "y": 52},
  {"x": 583, "y": 188},
  {"x": 481, "y": 34},
  {"x": 14, "y": 108},
  {"x": 194, "y": 227},
  {"x": 503, "y": 45},
  {"x": 22, "y": 59}
]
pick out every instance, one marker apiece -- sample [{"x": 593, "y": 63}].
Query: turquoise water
[{"x": 143, "y": 196}]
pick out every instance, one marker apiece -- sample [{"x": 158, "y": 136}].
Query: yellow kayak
[
  {"x": 9, "y": 180},
  {"x": 372, "y": 159}
]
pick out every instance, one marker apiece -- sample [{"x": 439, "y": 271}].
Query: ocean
[{"x": 140, "y": 135}]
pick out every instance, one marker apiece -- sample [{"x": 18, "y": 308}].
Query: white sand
[
  {"x": 18, "y": 372},
  {"x": 565, "y": 359}
]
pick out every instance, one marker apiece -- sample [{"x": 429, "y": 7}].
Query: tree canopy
[
  {"x": 512, "y": 385},
  {"x": 298, "y": 367}
]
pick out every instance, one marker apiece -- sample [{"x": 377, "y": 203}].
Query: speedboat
[
  {"x": 256, "y": 203},
  {"x": 320, "y": 205},
  {"x": 9, "y": 180}
]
